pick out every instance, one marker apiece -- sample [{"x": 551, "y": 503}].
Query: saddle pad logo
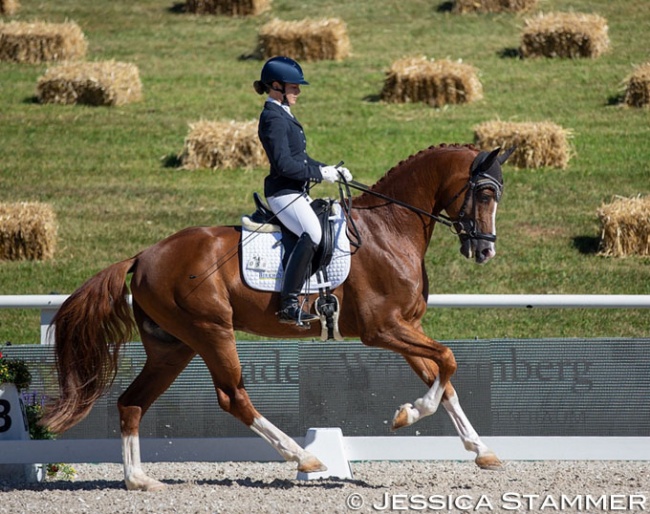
[{"x": 261, "y": 259}]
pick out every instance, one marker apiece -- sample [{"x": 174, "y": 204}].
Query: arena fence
[{"x": 533, "y": 399}]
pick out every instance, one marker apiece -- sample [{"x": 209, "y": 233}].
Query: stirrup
[{"x": 293, "y": 314}]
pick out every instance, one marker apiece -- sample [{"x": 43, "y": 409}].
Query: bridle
[
  {"x": 464, "y": 227},
  {"x": 467, "y": 227}
]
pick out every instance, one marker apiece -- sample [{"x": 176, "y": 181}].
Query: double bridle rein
[{"x": 463, "y": 227}]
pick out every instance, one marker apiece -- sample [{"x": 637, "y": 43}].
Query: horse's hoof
[
  {"x": 311, "y": 464},
  {"x": 489, "y": 461},
  {"x": 402, "y": 417},
  {"x": 144, "y": 483}
]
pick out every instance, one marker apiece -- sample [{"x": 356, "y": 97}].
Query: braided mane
[{"x": 409, "y": 159}]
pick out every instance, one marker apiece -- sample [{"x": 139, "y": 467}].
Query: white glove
[
  {"x": 346, "y": 173},
  {"x": 330, "y": 173}
]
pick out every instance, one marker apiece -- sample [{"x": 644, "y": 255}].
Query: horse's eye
[{"x": 484, "y": 198}]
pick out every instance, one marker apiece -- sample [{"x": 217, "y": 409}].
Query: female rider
[{"x": 286, "y": 187}]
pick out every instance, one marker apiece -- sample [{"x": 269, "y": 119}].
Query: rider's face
[{"x": 291, "y": 91}]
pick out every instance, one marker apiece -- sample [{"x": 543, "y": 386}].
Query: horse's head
[{"x": 475, "y": 223}]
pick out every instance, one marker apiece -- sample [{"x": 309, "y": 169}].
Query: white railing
[{"x": 49, "y": 304}]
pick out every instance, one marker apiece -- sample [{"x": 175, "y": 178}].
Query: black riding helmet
[{"x": 279, "y": 69}]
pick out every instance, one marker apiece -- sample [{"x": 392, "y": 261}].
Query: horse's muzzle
[{"x": 478, "y": 249}]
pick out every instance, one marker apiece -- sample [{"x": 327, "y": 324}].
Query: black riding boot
[{"x": 295, "y": 275}]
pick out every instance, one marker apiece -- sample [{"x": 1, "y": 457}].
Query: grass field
[{"x": 109, "y": 172}]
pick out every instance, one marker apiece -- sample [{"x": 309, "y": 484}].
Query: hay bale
[
  {"x": 9, "y": 7},
  {"x": 305, "y": 40},
  {"x": 90, "y": 83},
  {"x": 223, "y": 145},
  {"x": 625, "y": 227},
  {"x": 38, "y": 42},
  {"x": 27, "y": 231},
  {"x": 489, "y": 6},
  {"x": 637, "y": 89},
  {"x": 538, "y": 144},
  {"x": 435, "y": 82},
  {"x": 567, "y": 35},
  {"x": 228, "y": 7}
]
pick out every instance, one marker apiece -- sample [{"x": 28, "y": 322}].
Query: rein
[{"x": 461, "y": 227}]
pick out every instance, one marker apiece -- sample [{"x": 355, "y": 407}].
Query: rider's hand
[
  {"x": 346, "y": 173},
  {"x": 329, "y": 173}
]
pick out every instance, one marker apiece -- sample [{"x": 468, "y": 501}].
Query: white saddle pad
[{"x": 262, "y": 252}]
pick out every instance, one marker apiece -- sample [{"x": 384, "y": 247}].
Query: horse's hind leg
[
  {"x": 166, "y": 358},
  {"x": 225, "y": 368},
  {"x": 485, "y": 457}
]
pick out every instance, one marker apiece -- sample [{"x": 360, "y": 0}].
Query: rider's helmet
[
  {"x": 284, "y": 70},
  {"x": 279, "y": 69}
]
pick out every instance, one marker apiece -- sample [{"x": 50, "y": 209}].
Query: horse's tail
[{"x": 89, "y": 329}]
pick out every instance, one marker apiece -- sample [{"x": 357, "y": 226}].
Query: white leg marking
[
  {"x": 282, "y": 443},
  {"x": 468, "y": 435},
  {"x": 134, "y": 477},
  {"x": 426, "y": 405}
]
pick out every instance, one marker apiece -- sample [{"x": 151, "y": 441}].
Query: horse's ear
[
  {"x": 504, "y": 157},
  {"x": 487, "y": 163}
]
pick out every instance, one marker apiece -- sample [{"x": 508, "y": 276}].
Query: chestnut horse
[{"x": 189, "y": 298}]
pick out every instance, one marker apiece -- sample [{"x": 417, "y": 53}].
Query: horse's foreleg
[
  {"x": 409, "y": 413},
  {"x": 485, "y": 457},
  {"x": 415, "y": 346},
  {"x": 427, "y": 370}
]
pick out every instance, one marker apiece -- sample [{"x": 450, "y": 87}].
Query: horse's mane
[{"x": 421, "y": 153}]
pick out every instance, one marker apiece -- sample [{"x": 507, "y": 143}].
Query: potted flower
[{"x": 15, "y": 379}]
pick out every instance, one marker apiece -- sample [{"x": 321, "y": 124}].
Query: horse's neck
[{"x": 415, "y": 182}]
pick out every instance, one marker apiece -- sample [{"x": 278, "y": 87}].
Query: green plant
[
  {"x": 14, "y": 371},
  {"x": 34, "y": 411}
]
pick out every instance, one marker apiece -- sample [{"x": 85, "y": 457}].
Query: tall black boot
[{"x": 295, "y": 275}]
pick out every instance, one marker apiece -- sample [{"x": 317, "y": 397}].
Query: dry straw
[
  {"x": 90, "y": 83},
  {"x": 568, "y": 35},
  {"x": 538, "y": 144},
  {"x": 9, "y": 7},
  {"x": 305, "y": 40},
  {"x": 27, "y": 231},
  {"x": 488, "y": 6},
  {"x": 223, "y": 145},
  {"x": 435, "y": 82},
  {"x": 637, "y": 90},
  {"x": 38, "y": 42},
  {"x": 228, "y": 7},
  {"x": 625, "y": 227}
]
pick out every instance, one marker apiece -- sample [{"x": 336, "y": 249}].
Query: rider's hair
[{"x": 261, "y": 88}]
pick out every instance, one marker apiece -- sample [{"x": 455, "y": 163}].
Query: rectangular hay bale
[
  {"x": 625, "y": 224},
  {"x": 565, "y": 35},
  {"x": 305, "y": 40},
  {"x": 222, "y": 145},
  {"x": 637, "y": 90},
  {"x": 434, "y": 82},
  {"x": 492, "y": 6},
  {"x": 38, "y": 42},
  {"x": 537, "y": 144},
  {"x": 90, "y": 83},
  {"x": 27, "y": 231},
  {"x": 9, "y": 7},
  {"x": 228, "y": 7}
]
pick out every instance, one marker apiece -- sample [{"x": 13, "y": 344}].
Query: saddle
[
  {"x": 264, "y": 239},
  {"x": 263, "y": 220}
]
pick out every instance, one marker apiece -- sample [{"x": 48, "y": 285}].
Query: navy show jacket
[{"x": 285, "y": 144}]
